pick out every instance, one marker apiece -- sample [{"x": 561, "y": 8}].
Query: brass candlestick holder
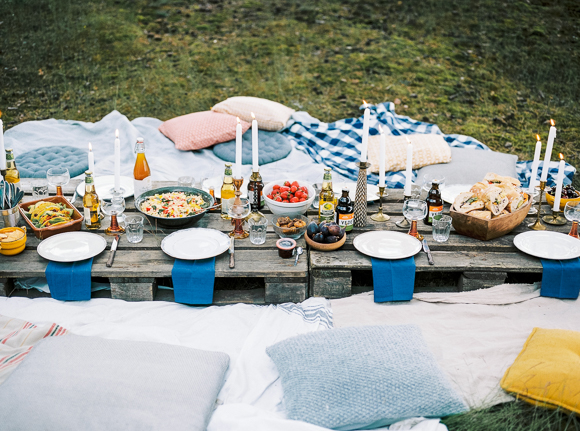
[
  {"x": 404, "y": 224},
  {"x": 114, "y": 228},
  {"x": 238, "y": 232},
  {"x": 537, "y": 225},
  {"x": 360, "y": 200},
  {"x": 556, "y": 218},
  {"x": 380, "y": 216}
]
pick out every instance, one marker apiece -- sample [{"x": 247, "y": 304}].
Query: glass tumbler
[
  {"x": 185, "y": 181},
  {"x": 441, "y": 228},
  {"x": 134, "y": 228},
  {"x": 39, "y": 188},
  {"x": 258, "y": 230}
]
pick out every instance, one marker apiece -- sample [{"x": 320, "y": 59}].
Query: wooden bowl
[
  {"x": 45, "y": 232},
  {"x": 11, "y": 248},
  {"x": 485, "y": 230},
  {"x": 563, "y": 202},
  {"x": 325, "y": 247}
]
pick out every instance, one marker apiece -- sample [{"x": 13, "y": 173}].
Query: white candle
[
  {"x": 409, "y": 171},
  {"x": 2, "y": 150},
  {"x": 91, "y": 160},
  {"x": 238, "y": 170},
  {"x": 255, "y": 165},
  {"x": 559, "y": 182},
  {"x": 365, "y": 134},
  {"x": 546, "y": 165},
  {"x": 117, "y": 162},
  {"x": 382, "y": 149},
  {"x": 535, "y": 164}
]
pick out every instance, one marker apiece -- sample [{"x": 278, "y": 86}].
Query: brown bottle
[{"x": 434, "y": 203}]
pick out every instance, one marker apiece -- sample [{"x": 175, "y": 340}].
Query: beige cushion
[
  {"x": 201, "y": 130},
  {"x": 270, "y": 115},
  {"x": 427, "y": 150}
]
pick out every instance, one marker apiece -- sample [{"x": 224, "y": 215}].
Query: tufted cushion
[
  {"x": 35, "y": 163},
  {"x": 361, "y": 377},
  {"x": 270, "y": 115},
  {"x": 90, "y": 383},
  {"x": 201, "y": 130},
  {"x": 547, "y": 370},
  {"x": 272, "y": 147}
]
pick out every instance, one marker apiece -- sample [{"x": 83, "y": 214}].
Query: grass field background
[{"x": 496, "y": 70}]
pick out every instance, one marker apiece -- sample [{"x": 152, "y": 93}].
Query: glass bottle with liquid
[
  {"x": 12, "y": 174},
  {"x": 327, "y": 204},
  {"x": 141, "y": 171},
  {"x": 227, "y": 192},
  {"x": 434, "y": 204},
  {"x": 255, "y": 187},
  {"x": 345, "y": 211},
  {"x": 91, "y": 204}
]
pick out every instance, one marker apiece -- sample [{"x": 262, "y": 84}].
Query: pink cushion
[{"x": 201, "y": 129}]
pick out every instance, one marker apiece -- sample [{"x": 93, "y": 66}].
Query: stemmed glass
[
  {"x": 58, "y": 177},
  {"x": 114, "y": 208},
  {"x": 533, "y": 210},
  {"x": 572, "y": 213},
  {"x": 238, "y": 213},
  {"x": 414, "y": 210}
]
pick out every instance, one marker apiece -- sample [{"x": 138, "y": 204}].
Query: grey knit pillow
[{"x": 362, "y": 377}]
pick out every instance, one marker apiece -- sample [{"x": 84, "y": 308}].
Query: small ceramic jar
[{"x": 286, "y": 247}]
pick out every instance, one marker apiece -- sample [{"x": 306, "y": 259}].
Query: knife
[
  {"x": 426, "y": 250},
  {"x": 232, "y": 262},
  {"x": 113, "y": 250}
]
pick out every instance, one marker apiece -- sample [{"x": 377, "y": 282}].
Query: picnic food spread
[{"x": 172, "y": 205}]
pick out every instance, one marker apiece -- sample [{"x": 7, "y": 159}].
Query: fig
[
  {"x": 331, "y": 239},
  {"x": 332, "y": 223},
  {"x": 342, "y": 232},
  {"x": 324, "y": 230},
  {"x": 312, "y": 229},
  {"x": 318, "y": 237},
  {"x": 334, "y": 230}
]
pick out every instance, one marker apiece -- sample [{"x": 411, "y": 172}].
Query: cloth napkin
[
  {"x": 193, "y": 281},
  {"x": 393, "y": 280},
  {"x": 69, "y": 281},
  {"x": 561, "y": 278}
]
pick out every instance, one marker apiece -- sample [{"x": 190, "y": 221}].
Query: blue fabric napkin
[
  {"x": 561, "y": 278},
  {"x": 69, "y": 281},
  {"x": 393, "y": 280},
  {"x": 193, "y": 281}
]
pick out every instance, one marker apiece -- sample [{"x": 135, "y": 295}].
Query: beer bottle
[
  {"x": 434, "y": 204},
  {"x": 345, "y": 211},
  {"x": 327, "y": 204},
  {"x": 12, "y": 174},
  {"x": 228, "y": 191},
  {"x": 141, "y": 171},
  {"x": 91, "y": 204},
  {"x": 255, "y": 187}
]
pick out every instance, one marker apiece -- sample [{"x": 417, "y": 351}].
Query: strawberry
[
  {"x": 295, "y": 184},
  {"x": 278, "y": 199},
  {"x": 294, "y": 200},
  {"x": 276, "y": 187},
  {"x": 287, "y": 183},
  {"x": 304, "y": 189},
  {"x": 302, "y": 200},
  {"x": 284, "y": 189},
  {"x": 293, "y": 189},
  {"x": 299, "y": 194},
  {"x": 270, "y": 197}
]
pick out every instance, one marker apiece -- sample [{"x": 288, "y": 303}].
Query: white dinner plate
[
  {"x": 195, "y": 243},
  {"x": 449, "y": 193},
  {"x": 387, "y": 244},
  {"x": 71, "y": 246},
  {"x": 217, "y": 182},
  {"x": 372, "y": 191},
  {"x": 548, "y": 245},
  {"x": 104, "y": 185}
]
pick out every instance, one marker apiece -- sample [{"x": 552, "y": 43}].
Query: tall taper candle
[
  {"x": 409, "y": 170},
  {"x": 382, "y": 149},
  {"x": 91, "y": 160},
  {"x": 238, "y": 171},
  {"x": 546, "y": 165},
  {"x": 255, "y": 165},
  {"x": 365, "y": 133},
  {"x": 117, "y": 162},
  {"x": 559, "y": 182},
  {"x": 2, "y": 150},
  {"x": 535, "y": 164}
]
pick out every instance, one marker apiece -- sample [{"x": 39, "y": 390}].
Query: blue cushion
[
  {"x": 35, "y": 163},
  {"x": 362, "y": 377},
  {"x": 272, "y": 146}
]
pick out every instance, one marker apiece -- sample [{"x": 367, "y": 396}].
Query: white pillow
[{"x": 270, "y": 115}]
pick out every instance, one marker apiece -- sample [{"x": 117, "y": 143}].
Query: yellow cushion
[
  {"x": 270, "y": 115},
  {"x": 427, "y": 150},
  {"x": 547, "y": 370}
]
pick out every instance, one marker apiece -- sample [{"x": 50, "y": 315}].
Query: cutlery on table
[
  {"x": 426, "y": 250},
  {"x": 113, "y": 250},
  {"x": 297, "y": 251},
  {"x": 232, "y": 261}
]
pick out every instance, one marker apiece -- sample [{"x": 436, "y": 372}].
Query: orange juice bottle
[{"x": 141, "y": 172}]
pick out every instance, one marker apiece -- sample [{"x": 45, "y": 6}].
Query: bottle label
[
  {"x": 326, "y": 212},
  {"x": 435, "y": 213},
  {"x": 87, "y": 216},
  {"x": 141, "y": 186},
  {"x": 346, "y": 221}
]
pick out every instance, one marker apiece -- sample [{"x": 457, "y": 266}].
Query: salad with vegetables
[{"x": 172, "y": 205}]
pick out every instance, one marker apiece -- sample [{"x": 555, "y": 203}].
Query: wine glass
[
  {"x": 533, "y": 210},
  {"x": 58, "y": 177},
  {"x": 572, "y": 213},
  {"x": 238, "y": 211},
  {"x": 414, "y": 210},
  {"x": 114, "y": 208},
  {"x": 428, "y": 181}
]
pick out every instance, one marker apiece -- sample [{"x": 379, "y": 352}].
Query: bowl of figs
[{"x": 325, "y": 236}]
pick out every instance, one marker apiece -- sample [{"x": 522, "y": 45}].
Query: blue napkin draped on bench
[
  {"x": 561, "y": 278},
  {"x": 193, "y": 281},
  {"x": 69, "y": 281},
  {"x": 393, "y": 280}
]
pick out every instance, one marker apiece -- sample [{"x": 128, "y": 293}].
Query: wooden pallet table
[
  {"x": 139, "y": 268},
  {"x": 461, "y": 263}
]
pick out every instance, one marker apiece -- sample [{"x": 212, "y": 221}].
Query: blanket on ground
[{"x": 338, "y": 144}]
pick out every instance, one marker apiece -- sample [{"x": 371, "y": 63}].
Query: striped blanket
[{"x": 17, "y": 338}]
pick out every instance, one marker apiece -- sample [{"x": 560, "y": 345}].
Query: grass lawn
[{"x": 496, "y": 70}]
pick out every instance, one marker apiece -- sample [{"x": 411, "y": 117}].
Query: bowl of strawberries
[{"x": 288, "y": 197}]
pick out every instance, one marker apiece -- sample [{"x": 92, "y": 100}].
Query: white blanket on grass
[
  {"x": 474, "y": 342},
  {"x": 251, "y": 398}
]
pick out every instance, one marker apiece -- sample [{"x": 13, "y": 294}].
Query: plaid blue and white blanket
[{"x": 337, "y": 144}]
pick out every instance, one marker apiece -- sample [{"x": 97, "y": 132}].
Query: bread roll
[
  {"x": 498, "y": 179},
  {"x": 467, "y": 202}
]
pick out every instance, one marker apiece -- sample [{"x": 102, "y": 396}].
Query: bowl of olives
[
  {"x": 325, "y": 236},
  {"x": 569, "y": 194}
]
